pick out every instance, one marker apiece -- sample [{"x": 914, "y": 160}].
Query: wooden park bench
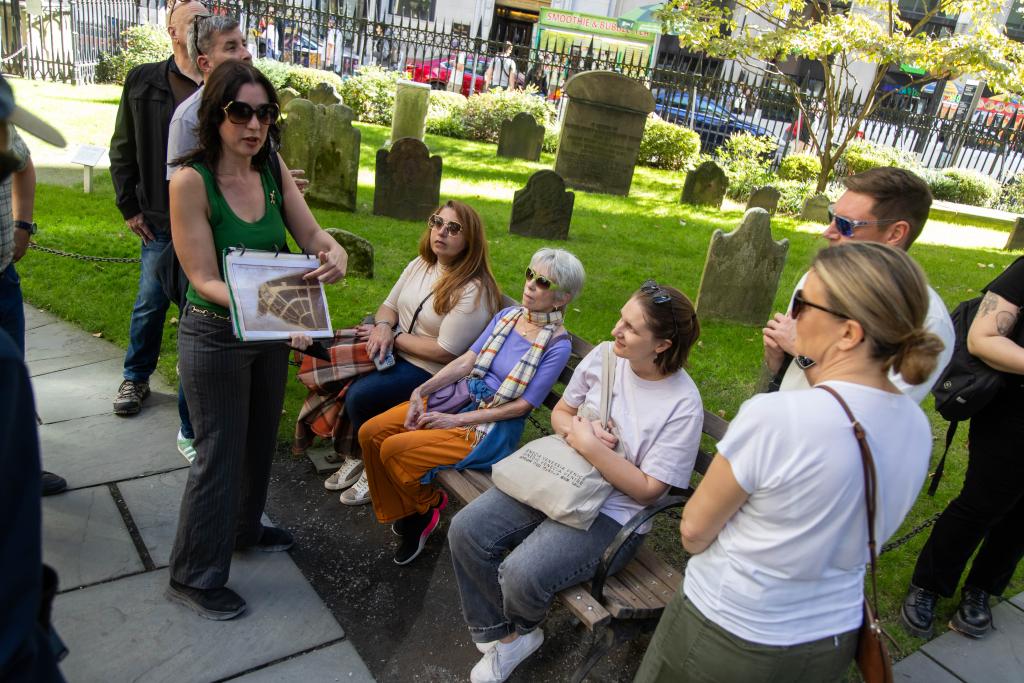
[{"x": 613, "y": 608}]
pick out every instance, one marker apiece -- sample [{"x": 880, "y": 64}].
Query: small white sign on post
[{"x": 88, "y": 156}]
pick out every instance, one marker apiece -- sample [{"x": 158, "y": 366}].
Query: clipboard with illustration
[{"x": 270, "y": 297}]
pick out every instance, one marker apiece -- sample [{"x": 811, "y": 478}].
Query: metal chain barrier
[
  {"x": 892, "y": 545},
  {"x": 82, "y": 257}
]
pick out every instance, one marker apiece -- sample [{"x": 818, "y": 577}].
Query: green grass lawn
[{"x": 621, "y": 241}]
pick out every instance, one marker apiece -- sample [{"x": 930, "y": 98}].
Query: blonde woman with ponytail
[{"x": 777, "y": 528}]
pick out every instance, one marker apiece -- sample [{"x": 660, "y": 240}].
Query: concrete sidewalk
[{"x": 109, "y": 538}]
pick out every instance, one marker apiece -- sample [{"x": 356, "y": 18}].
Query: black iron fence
[{"x": 713, "y": 98}]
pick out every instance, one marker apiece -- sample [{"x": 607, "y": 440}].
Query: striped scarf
[{"x": 519, "y": 377}]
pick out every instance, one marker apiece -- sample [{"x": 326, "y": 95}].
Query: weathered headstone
[
  {"x": 705, "y": 186},
  {"x": 601, "y": 131},
  {"x": 360, "y": 252},
  {"x": 543, "y": 208},
  {"x": 521, "y": 137},
  {"x": 766, "y": 198},
  {"x": 408, "y": 181},
  {"x": 742, "y": 271},
  {"x": 409, "y": 120},
  {"x": 324, "y": 93},
  {"x": 1016, "y": 239},
  {"x": 321, "y": 140},
  {"x": 286, "y": 95},
  {"x": 816, "y": 209}
]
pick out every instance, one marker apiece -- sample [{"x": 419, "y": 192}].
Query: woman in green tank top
[{"x": 225, "y": 195}]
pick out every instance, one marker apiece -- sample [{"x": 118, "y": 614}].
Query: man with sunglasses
[
  {"x": 885, "y": 205},
  {"x": 138, "y": 154}
]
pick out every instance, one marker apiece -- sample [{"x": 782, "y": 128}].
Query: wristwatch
[{"x": 31, "y": 228}]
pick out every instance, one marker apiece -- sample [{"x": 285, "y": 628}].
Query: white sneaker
[
  {"x": 484, "y": 647},
  {"x": 347, "y": 474},
  {"x": 500, "y": 661},
  {"x": 186, "y": 448},
  {"x": 359, "y": 494}
]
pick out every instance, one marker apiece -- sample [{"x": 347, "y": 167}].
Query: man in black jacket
[{"x": 138, "y": 153}]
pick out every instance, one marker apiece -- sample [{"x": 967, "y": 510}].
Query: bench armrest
[{"x": 627, "y": 531}]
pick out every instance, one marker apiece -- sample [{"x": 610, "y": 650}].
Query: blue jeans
[
  {"x": 381, "y": 390},
  {"x": 146, "y": 329},
  {"x": 511, "y": 561},
  {"x": 12, "y": 310}
]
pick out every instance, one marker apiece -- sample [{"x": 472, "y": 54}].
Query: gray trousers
[{"x": 235, "y": 392}]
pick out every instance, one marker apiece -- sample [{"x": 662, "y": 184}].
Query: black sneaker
[
  {"x": 973, "y": 617},
  {"x": 219, "y": 604},
  {"x": 415, "y": 530},
  {"x": 53, "y": 483},
  {"x": 918, "y": 612},
  {"x": 272, "y": 540},
  {"x": 130, "y": 396}
]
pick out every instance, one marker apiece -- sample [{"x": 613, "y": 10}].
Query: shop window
[{"x": 414, "y": 9}]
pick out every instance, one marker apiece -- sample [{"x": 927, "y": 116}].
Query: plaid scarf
[{"x": 519, "y": 377}]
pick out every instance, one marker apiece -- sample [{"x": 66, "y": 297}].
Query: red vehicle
[{"x": 440, "y": 73}]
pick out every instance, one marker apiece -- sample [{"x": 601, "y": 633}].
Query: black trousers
[
  {"x": 235, "y": 391},
  {"x": 989, "y": 511}
]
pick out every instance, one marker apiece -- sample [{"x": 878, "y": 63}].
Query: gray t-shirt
[{"x": 182, "y": 136}]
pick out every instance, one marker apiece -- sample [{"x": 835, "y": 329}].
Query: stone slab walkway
[{"x": 109, "y": 538}]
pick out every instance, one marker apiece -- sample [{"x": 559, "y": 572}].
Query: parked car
[
  {"x": 440, "y": 73},
  {"x": 713, "y": 122}
]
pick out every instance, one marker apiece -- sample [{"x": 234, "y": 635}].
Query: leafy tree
[{"x": 837, "y": 36}]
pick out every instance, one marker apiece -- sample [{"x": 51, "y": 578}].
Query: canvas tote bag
[{"x": 549, "y": 475}]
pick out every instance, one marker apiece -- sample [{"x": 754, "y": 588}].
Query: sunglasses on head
[
  {"x": 542, "y": 282},
  {"x": 800, "y": 303},
  {"x": 195, "y": 32},
  {"x": 444, "y": 227},
  {"x": 241, "y": 113},
  {"x": 660, "y": 295},
  {"x": 846, "y": 226}
]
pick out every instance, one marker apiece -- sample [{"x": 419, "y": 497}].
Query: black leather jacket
[{"x": 138, "y": 148}]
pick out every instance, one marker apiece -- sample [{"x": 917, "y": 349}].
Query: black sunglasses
[
  {"x": 241, "y": 113},
  {"x": 542, "y": 282},
  {"x": 660, "y": 295},
  {"x": 799, "y": 303},
  {"x": 846, "y": 226},
  {"x": 444, "y": 227},
  {"x": 195, "y": 32}
]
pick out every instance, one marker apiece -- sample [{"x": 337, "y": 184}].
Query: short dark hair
[
  {"x": 674, "y": 320},
  {"x": 221, "y": 88},
  {"x": 898, "y": 194}
]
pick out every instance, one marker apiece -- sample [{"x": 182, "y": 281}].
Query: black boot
[
  {"x": 973, "y": 617},
  {"x": 918, "y": 612}
]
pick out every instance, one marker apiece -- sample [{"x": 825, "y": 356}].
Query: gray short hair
[
  {"x": 564, "y": 268},
  {"x": 210, "y": 26}
]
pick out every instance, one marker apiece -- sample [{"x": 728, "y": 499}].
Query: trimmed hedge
[
  {"x": 371, "y": 94},
  {"x": 800, "y": 167},
  {"x": 745, "y": 158},
  {"x": 963, "y": 186},
  {"x": 666, "y": 145},
  {"x": 861, "y": 155},
  {"x": 142, "y": 44},
  {"x": 444, "y": 116},
  {"x": 485, "y": 112}
]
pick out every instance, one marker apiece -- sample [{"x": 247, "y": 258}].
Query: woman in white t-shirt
[
  {"x": 439, "y": 306},
  {"x": 778, "y": 527},
  {"x": 510, "y": 559}
]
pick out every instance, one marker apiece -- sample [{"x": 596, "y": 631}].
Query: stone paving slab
[
  {"x": 338, "y": 662},
  {"x": 997, "y": 658},
  {"x": 106, "y": 447},
  {"x": 1018, "y": 601},
  {"x": 59, "y": 347},
  {"x": 318, "y": 456},
  {"x": 127, "y": 630},
  {"x": 154, "y": 502},
  {"x": 35, "y": 317},
  {"x": 85, "y": 539},
  {"x": 919, "y": 668},
  {"x": 84, "y": 391}
]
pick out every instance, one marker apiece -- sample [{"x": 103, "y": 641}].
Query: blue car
[{"x": 713, "y": 123}]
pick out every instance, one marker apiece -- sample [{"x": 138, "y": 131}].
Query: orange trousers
[{"x": 396, "y": 459}]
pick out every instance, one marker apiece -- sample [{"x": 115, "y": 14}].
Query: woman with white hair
[{"x": 472, "y": 412}]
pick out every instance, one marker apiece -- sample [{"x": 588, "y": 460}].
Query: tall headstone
[
  {"x": 360, "y": 252},
  {"x": 543, "y": 208},
  {"x": 324, "y": 93},
  {"x": 742, "y": 271},
  {"x": 408, "y": 181},
  {"x": 705, "y": 186},
  {"x": 1016, "y": 239},
  {"x": 601, "y": 131},
  {"x": 521, "y": 137},
  {"x": 322, "y": 141},
  {"x": 766, "y": 198},
  {"x": 815, "y": 209},
  {"x": 409, "y": 119}
]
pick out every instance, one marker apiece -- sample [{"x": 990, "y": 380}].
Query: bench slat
[
  {"x": 629, "y": 578},
  {"x": 582, "y": 604},
  {"x": 458, "y": 485},
  {"x": 622, "y": 603},
  {"x": 658, "y": 588},
  {"x": 663, "y": 571},
  {"x": 481, "y": 480},
  {"x": 714, "y": 425}
]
